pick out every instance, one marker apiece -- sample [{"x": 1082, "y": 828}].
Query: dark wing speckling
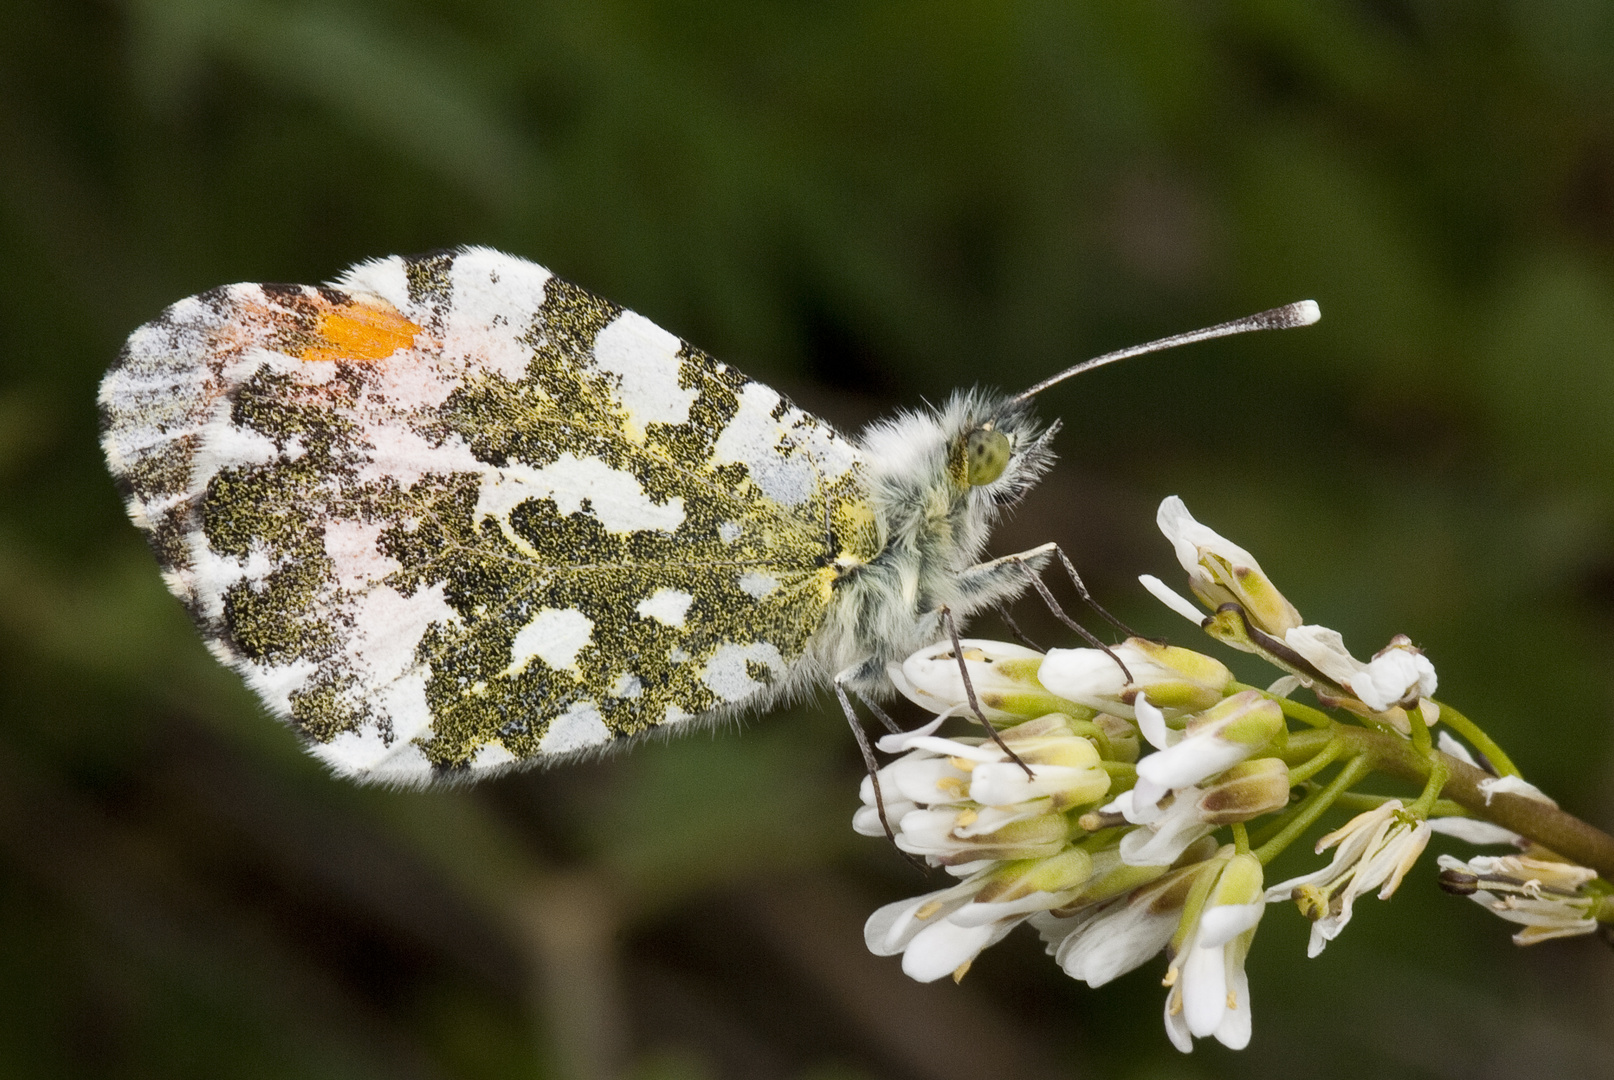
[{"x": 456, "y": 513}]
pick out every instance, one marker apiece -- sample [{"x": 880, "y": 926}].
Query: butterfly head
[{"x": 996, "y": 447}]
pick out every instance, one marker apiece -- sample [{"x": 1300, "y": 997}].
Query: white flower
[
  {"x": 1217, "y": 739},
  {"x": 1247, "y": 790},
  {"x": 1376, "y": 849},
  {"x": 1003, "y": 676},
  {"x": 1210, "y": 994},
  {"x": 942, "y": 932},
  {"x": 1547, "y": 898},
  {"x": 1398, "y": 675},
  {"x": 1174, "y": 678},
  {"x": 1163, "y": 839},
  {"x": 960, "y": 801},
  {"x": 1105, "y": 940},
  {"x": 1221, "y": 572},
  {"x": 921, "y": 930}
]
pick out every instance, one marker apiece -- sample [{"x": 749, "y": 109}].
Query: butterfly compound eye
[{"x": 986, "y": 455}]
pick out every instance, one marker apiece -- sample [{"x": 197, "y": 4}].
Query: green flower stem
[
  {"x": 1315, "y": 764},
  {"x": 1313, "y": 807},
  {"x": 1439, "y": 771},
  {"x": 1481, "y": 741},
  {"x": 1359, "y": 801},
  {"x": 1548, "y": 826},
  {"x": 1292, "y": 709},
  {"x": 1302, "y": 746},
  {"x": 1241, "y": 839},
  {"x": 1275, "y": 824},
  {"x": 1419, "y": 732}
]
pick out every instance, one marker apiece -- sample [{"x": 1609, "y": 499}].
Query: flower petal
[
  {"x": 1204, "y": 989},
  {"x": 1224, "y": 922},
  {"x": 943, "y": 947},
  {"x": 1451, "y": 746},
  {"x": 1473, "y": 830},
  {"x": 1116, "y": 939},
  {"x": 900, "y": 742},
  {"x": 1324, "y": 650},
  {"x": 1177, "y": 1024},
  {"x": 889, "y": 930},
  {"x": 1152, "y": 723},
  {"x": 1191, "y": 761},
  {"x": 1234, "y": 1030},
  {"x": 1512, "y": 785},
  {"x": 1173, "y": 599}
]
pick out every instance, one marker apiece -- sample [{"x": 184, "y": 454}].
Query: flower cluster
[
  {"x": 1112, "y": 861},
  {"x": 1104, "y": 794}
]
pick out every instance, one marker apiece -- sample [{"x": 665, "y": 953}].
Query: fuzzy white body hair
[{"x": 932, "y": 529}]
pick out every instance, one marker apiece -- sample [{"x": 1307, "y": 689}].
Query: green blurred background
[{"x": 865, "y": 204}]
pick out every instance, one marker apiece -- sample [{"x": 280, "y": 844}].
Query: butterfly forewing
[{"x": 456, "y": 513}]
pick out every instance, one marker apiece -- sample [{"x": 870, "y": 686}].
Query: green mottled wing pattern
[{"x": 455, "y": 513}]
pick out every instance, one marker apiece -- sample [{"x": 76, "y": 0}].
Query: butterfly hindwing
[{"x": 455, "y": 513}]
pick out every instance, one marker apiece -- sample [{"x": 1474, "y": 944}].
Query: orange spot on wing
[{"x": 359, "y": 332}]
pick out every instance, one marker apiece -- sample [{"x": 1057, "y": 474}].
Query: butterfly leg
[
  {"x": 969, "y": 692},
  {"x": 1014, "y": 628},
  {"x": 1012, "y": 572},
  {"x": 1087, "y": 597},
  {"x": 869, "y": 763},
  {"x": 879, "y": 714}
]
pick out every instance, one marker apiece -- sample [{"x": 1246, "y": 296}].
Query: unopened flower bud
[
  {"x": 1064, "y": 767},
  {"x": 1173, "y": 678},
  {"x": 1015, "y": 881},
  {"x": 1123, "y": 736},
  {"x": 1247, "y": 790},
  {"x": 1249, "y": 717},
  {"x": 1003, "y": 676},
  {"x": 952, "y": 835}
]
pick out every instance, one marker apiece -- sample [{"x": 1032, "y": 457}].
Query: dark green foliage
[{"x": 888, "y": 199}]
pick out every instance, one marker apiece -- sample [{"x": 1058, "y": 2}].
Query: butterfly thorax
[{"x": 931, "y": 524}]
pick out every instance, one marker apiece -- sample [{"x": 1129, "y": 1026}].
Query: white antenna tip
[{"x": 1307, "y": 312}]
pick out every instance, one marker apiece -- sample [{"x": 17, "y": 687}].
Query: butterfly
[{"x": 452, "y": 514}]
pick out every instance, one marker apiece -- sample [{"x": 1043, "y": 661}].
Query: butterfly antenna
[{"x": 1300, "y": 313}]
